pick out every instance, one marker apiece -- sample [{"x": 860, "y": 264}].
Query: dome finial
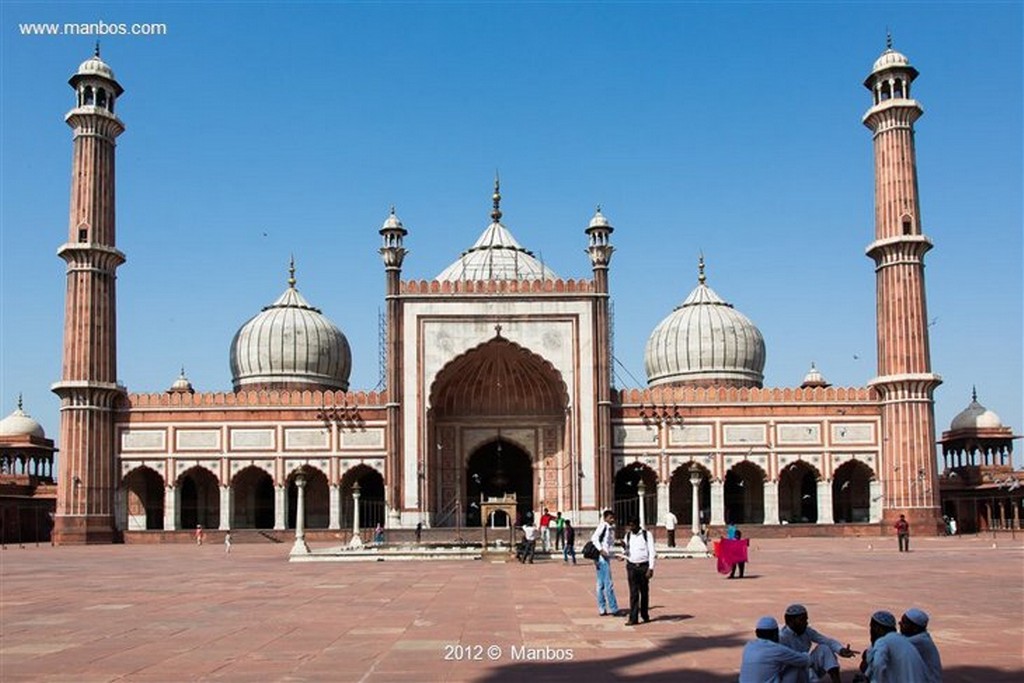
[
  {"x": 974, "y": 393},
  {"x": 700, "y": 269},
  {"x": 19, "y": 400},
  {"x": 888, "y": 38},
  {"x": 96, "y": 52},
  {"x": 291, "y": 272},
  {"x": 496, "y": 198}
]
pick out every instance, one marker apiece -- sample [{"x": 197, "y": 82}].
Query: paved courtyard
[{"x": 178, "y": 613}]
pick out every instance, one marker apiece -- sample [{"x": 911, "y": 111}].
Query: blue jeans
[
  {"x": 606, "y": 601},
  {"x": 568, "y": 550}
]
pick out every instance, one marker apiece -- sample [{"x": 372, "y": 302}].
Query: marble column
[
  {"x": 300, "y": 547},
  {"x": 875, "y": 494},
  {"x": 335, "y": 507},
  {"x": 771, "y": 502},
  {"x": 717, "y": 503},
  {"x": 696, "y": 543},
  {"x": 825, "y": 502},
  {"x": 226, "y": 499},
  {"x": 171, "y": 519},
  {"x": 280, "y": 506},
  {"x": 357, "y": 539},
  {"x": 664, "y": 504}
]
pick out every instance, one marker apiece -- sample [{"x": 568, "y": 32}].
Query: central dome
[
  {"x": 496, "y": 255},
  {"x": 290, "y": 344},
  {"x": 705, "y": 342}
]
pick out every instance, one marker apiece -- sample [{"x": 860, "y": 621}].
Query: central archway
[
  {"x": 498, "y": 395},
  {"x": 495, "y": 469}
]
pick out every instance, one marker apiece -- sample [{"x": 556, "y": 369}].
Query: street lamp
[
  {"x": 300, "y": 547},
  {"x": 357, "y": 539}
]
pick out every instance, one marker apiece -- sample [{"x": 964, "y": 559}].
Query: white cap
[{"x": 767, "y": 624}]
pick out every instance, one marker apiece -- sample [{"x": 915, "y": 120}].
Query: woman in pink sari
[{"x": 732, "y": 554}]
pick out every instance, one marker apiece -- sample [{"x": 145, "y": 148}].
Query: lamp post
[
  {"x": 357, "y": 540},
  {"x": 641, "y": 490},
  {"x": 300, "y": 547},
  {"x": 696, "y": 543}
]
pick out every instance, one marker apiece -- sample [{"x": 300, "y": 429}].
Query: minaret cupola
[{"x": 95, "y": 83}]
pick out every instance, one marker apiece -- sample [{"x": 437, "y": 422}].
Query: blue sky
[{"x": 258, "y": 130}]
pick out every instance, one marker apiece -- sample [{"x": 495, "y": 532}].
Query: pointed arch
[
  {"x": 798, "y": 493},
  {"x": 144, "y": 498},
  {"x": 744, "y": 493}
]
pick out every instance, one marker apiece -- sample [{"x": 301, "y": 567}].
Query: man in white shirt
[
  {"x": 603, "y": 539},
  {"x": 914, "y": 625},
  {"x": 529, "y": 542},
  {"x": 796, "y": 634},
  {"x": 764, "y": 660},
  {"x": 670, "y": 526},
  {"x": 892, "y": 658},
  {"x": 639, "y": 569}
]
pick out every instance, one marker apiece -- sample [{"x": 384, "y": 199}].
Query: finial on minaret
[
  {"x": 974, "y": 394},
  {"x": 19, "y": 400},
  {"x": 700, "y": 269},
  {"x": 888, "y": 38},
  {"x": 392, "y": 209},
  {"x": 96, "y": 52},
  {"x": 291, "y": 272},
  {"x": 496, "y": 198}
]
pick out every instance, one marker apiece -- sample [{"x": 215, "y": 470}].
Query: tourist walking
[
  {"x": 559, "y": 531},
  {"x": 545, "y": 530},
  {"x": 569, "y": 546},
  {"x": 200, "y": 535},
  {"x": 902, "y": 527},
  {"x": 639, "y": 570},
  {"x": 603, "y": 539},
  {"x": 227, "y": 542},
  {"x": 670, "y": 526},
  {"x": 529, "y": 542}
]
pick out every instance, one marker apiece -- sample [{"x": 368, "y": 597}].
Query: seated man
[
  {"x": 891, "y": 658},
  {"x": 796, "y": 634},
  {"x": 764, "y": 660},
  {"x": 914, "y": 625}
]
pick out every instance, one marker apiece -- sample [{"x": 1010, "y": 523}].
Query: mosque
[{"x": 498, "y": 382}]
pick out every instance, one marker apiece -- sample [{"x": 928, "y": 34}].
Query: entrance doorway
[{"x": 495, "y": 469}]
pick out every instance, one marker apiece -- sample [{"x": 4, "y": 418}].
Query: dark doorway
[{"x": 495, "y": 469}]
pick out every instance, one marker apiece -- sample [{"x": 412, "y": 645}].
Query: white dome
[
  {"x": 890, "y": 59},
  {"x": 94, "y": 66},
  {"x": 814, "y": 378},
  {"x": 705, "y": 341},
  {"x": 182, "y": 385},
  {"x": 497, "y": 255},
  {"x": 19, "y": 423},
  {"x": 975, "y": 416},
  {"x": 290, "y": 343}
]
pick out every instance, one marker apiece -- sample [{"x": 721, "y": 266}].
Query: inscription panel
[
  {"x": 252, "y": 439},
  {"x": 297, "y": 439},
  {"x": 371, "y": 438},
  {"x": 734, "y": 435},
  {"x": 143, "y": 440},
  {"x": 690, "y": 435},
  {"x": 197, "y": 439},
  {"x": 628, "y": 435},
  {"x": 856, "y": 432},
  {"x": 798, "y": 433}
]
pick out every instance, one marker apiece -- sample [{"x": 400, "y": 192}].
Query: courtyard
[{"x": 181, "y": 612}]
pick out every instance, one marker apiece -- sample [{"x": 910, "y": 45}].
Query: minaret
[
  {"x": 905, "y": 382},
  {"x": 393, "y": 253},
  {"x": 600, "y": 250},
  {"x": 88, "y": 388}
]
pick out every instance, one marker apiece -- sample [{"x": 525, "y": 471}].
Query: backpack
[{"x": 590, "y": 551}]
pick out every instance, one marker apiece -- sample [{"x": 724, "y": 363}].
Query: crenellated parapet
[
  {"x": 678, "y": 395},
  {"x": 262, "y": 398},
  {"x": 556, "y": 286}
]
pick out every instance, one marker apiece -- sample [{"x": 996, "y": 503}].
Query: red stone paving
[{"x": 182, "y": 613}]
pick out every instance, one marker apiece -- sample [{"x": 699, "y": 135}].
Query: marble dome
[
  {"x": 705, "y": 342},
  {"x": 20, "y": 423},
  {"x": 975, "y": 416},
  {"x": 290, "y": 344}
]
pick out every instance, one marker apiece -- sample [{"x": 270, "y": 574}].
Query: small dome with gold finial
[
  {"x": 813, "y": 379},
  {"x": 975, "y": 416},
  {"x": 181, "y": 385}
]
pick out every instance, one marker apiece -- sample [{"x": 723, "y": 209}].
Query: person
[
  {"x": 952, "y": 526},
  {"x": 419, "y": 532},
  {"x": 603, "y": 539},
  {"x": 730, "y": 531},
  {"x": 765, "y": 660},
  {"x": 529, "y": 542},
  {"x": 914, "y": 625},
  {"x": 735, "y": 554},
  {"x": 569, "y": 546},
  {"x": 559, "y": 531},
  {"x": 902, "y": 527},
  {"x": 199, "y": 534},
  {"x": 892, "y": 658},
  {"x": 639, "y": 546},
  {"x": 545, "y": 529},
  {"x": 227, "y": 543},
  {"x": 799, "y": 636},
  {"x": 378, "y": 534},
  {"x": 670, "y": 526}
]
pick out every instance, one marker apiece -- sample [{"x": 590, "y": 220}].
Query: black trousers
[
  {"x": 671, "y": 538},
  {"x": 639, "y": 592},
  {"x": 904, "y": 541}
]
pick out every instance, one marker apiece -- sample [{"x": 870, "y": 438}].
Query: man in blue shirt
[{"x": 765, "y": 660}]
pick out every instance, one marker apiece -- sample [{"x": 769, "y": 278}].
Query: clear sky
[{"x": 259, "y": 130}]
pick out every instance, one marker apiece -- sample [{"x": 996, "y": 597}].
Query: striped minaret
[
  {"x": 88, "y": 388},
  {"x": 600, "y": 250},
  {"x": 905, "y": 382}
]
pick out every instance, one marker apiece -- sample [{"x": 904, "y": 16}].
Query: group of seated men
[{"x": 800, "y": 654}]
